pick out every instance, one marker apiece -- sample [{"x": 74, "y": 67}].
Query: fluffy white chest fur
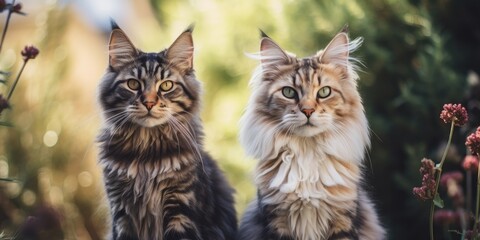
[{"x": 309, "y": 187}]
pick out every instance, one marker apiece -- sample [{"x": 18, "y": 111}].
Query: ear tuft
[
  {"x": 121, "y": 49},
  {"x": 263, "y": 34},
  {"x": 190, "y": 28},
  {"x": 337, "y": 50},
  {"x": 180, "y": 53},
  {"x": 271, "y": 55},
  {"x": 113, "y": 24}
]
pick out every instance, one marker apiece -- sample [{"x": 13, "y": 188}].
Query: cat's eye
[
  {"x": 289, "y": 92},
  {"x": 324, "y": 92},
  {"x": 133, "y": 84},
  {"x": 166, "y": 86}
]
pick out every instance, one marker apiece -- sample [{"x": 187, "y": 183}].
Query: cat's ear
[
  {"x": 271, "y": 55},
  {"x": 120, "y": 49},
  {"x": 180, "y": 53},
  {"x": 337, "y": 50}
]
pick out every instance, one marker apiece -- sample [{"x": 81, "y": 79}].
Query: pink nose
[
  {"x": 149, "y": 104},
  {"x": 308, "y": 111}
]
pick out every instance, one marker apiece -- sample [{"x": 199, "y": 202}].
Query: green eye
[
  {"x": 166, "y": 86},
  {"x": 289, "y": 92},
  {"x": 133, "y": 84},
  {"x": 324, "y": 92}
]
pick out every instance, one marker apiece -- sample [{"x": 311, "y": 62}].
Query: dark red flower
[
  {"x": 17, "y": 8},
  {"x": 473, "y": 142},
  {"x": 3, "y": 5},
  {"x": 427, "y": 190},
  {"x": 470, "y": 163},
  {"x": 445, "y": 217},
  {"x": 454, "y": 112},
  {"x": 29, "y": 52},
  {"x": 3, "y": 103}
]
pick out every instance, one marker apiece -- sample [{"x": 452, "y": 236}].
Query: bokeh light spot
[
  {"x": 29, "y": 197},
  {"x": 85, "y": 179},
  {"x": 3, "y": 169},
  {"x": 50, "y": 138}
]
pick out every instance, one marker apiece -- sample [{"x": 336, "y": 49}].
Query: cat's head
[
  {"x": 149, "y": 89},
  {"x": 304, "y": 97}
]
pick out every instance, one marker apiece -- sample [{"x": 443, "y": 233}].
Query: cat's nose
[
  {"x": 149, "y": 104},
  {"x": 308, "y": 111}
]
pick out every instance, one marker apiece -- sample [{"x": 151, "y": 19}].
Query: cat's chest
[
  {"x": 308, "y": 176},
  {"x": 140, "y": 191},
  {"x": 143, "y": 184}
]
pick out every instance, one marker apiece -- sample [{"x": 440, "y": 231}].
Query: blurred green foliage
[{"x": 416, "y": 53}]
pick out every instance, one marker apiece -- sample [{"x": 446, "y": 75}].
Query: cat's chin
[
  {"x": 308, "y": 131},
  {"x": 149, "y": 122}
]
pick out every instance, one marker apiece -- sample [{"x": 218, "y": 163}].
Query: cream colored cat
[{"x": 306, "y": 125}]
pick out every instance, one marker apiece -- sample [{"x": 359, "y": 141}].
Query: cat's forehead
[
  {"x": 151, "y": 57},
  {"x": 146, "y": 65},
  {"x": 311, "y": 68},
  {"x": 308, "y": 73},
  {"x": 308, "y": 62}
]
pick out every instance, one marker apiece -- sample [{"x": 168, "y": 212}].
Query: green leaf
[
  {"x": 6, "y": 124},
  {"x": 438, "y": 201},
  {"x": 8, "y": 180}
]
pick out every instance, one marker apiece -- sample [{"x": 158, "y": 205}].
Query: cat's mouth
[{"x": 308, "y": 123}]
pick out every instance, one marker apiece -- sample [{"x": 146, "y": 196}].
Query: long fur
[
  {"x": 309, "y": 181},
  {"x": 160, "y": 183}
]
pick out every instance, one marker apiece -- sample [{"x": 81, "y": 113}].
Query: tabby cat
[
  {"x": 306, "y": 125},
  {"x": 160, "y": 183}
]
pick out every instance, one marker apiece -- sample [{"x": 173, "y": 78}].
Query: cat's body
[
  {"x": 306, "y": 125},
  {"x": 159, "y": 181}
]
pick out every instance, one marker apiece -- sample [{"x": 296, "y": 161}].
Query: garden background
[{"x": 418, "y": 55}]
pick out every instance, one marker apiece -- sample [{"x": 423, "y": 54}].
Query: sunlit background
[{"x": 417, "y": 56}]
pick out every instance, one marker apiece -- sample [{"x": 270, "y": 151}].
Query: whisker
[{"x": 186, "y": 132}]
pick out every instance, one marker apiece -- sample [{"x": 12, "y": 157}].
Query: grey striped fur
[{"x": 159, "y": 181}]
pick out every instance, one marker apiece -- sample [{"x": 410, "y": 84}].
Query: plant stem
[
  {"x": 478, "y": 197},
  {"x": 16, "y": 80},
  {"x": 9, "y": 14},
  {"x": 439, "y": 173},
  {"x": 469, "y": 191}
]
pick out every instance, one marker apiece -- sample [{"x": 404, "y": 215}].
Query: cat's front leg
[
  {"x": 179, "y": 226},
  {"x": 121, "y": 228}
]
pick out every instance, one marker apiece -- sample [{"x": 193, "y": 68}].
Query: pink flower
[
  {"x": 454, "y": 112},
  {"x": 455, "y": 176},
  {"x": 427, "y": 190},
  {"x": 451, "y": 182},
  {"x": 470, "y": 163},
  {"x": 473, "y": 142},
  {"x": 445, "y": 217},
  {"x": 29, "y": 52}
]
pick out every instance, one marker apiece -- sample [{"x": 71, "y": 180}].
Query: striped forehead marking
[
  {"x": 148, "y": 65},
  {"x": 305, "y": 72}
]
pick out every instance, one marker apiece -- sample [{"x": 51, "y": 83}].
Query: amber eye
[
  {"x": 289, "y": 92},
  {"x": 133, "y": 84},
  {"x": 324, "y": 92},
  {"x": 166, "y": 86}
]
